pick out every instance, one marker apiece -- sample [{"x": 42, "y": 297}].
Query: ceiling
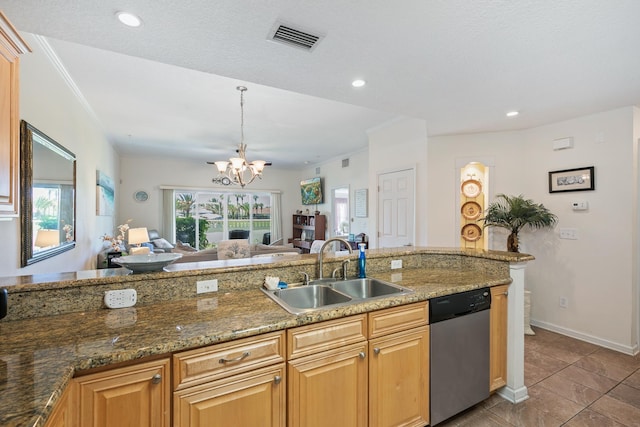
[{"x": 168, "y": 87}]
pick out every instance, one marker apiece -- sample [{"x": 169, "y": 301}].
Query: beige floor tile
[
  {"x": 627, "y": 394},
  {"x": 553, "y": 404},
  {"x": 543, "y": 361},
  {"x": 575, "y": 346},
  {"x": 614, "y": 357},
  {"x": 610, "y": 370},
  {"x": 617, "y": 410},
  {"x": 590, "y": 379},
  {"x": 576, "y": 392},
  {"x": 588, "y": 418},
  {"x": 533, "y": 374},
  {"x": 557, "y": 351},
  {"x": 493, "y": 400},
  {"x": 484, "y": 418},
  {"x": 524, "y": 415},
  {"x": 633, "y": 380}
]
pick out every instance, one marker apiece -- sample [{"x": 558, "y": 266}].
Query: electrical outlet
[
  {"x": 396, "y": 263},
  {"x": 120, "y": 298},
  {"x": 204, "y": 286},
  {"x": 564, "y": 302},
  {"x": 569, "y": 233}
]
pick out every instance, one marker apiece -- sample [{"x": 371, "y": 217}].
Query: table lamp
[
  {"x": 136, "y": 237},
  {"x": 46, "y": 238}
]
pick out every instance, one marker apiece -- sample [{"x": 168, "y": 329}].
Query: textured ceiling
[{"x": 459, "y": 65}]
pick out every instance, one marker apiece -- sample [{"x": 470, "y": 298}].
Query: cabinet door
[
  {"x": 65, "y": 412},
  {"x": 399, "y": 379},
  {"x": 11, "y": 45},
  {"x": 137, "y": 395},
  {"x": 256, "y": 398},
  {"x": 498, "y": 337},
  {"x": 329, "y": 389}
]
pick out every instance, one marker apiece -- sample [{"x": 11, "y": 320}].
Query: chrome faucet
[{"x": 324, "y": 245}]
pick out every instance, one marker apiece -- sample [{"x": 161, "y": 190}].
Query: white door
[{"x": 396, "y": 216}]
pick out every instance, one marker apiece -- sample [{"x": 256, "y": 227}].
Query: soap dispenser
[{"x": 362, "y": 262}]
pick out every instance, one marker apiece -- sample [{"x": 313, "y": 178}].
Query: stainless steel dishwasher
[{"x": 459, "y": 372}]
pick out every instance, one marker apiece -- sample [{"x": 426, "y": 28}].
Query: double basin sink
[{"x": 333, "y": 293}]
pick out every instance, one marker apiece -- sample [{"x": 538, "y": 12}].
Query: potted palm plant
[{"x": 514, "y": 213}]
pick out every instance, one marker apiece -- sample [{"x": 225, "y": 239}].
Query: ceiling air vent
[{"x": 294, "y": 37}]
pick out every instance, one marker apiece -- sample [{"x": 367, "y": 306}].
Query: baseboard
[{"x": 631, "y": 350}]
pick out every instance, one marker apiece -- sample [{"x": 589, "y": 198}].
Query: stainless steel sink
[
  {"x": 367, "y": 288},
  {"x": 332, "y": 293}
]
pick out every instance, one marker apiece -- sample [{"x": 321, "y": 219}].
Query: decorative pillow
[
  {"x": 162, "y": 244},
  {"x": 235, "y": 248},
  {"x": 185, "y": 247}
]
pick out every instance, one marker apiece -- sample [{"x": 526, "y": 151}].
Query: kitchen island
[{"x": 57, "y": 326}]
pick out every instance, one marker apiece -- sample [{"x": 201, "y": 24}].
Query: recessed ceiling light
[
  {"x": 512, "y": 113},
  {"x": 129, "y": 19},
  {"x": 358, "y": 83}
]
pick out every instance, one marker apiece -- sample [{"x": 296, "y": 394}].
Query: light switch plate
[{"x": 396, "y": 263}]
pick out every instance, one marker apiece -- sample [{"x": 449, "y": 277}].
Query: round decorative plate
[
  {"x": 471, "y": 210},
  {"x": 471, "y": 188},
  {"x": 471, "y": 232},
  {"x": 141, "y": 196}
]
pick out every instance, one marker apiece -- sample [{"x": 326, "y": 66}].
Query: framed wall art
[{"x": 579, "y": 179}]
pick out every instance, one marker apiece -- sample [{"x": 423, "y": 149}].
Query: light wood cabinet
[
  {"x": 337, "y": 377},
  {"x": 306, "y": 229},
  {"x": 137, "y": 395},
  {"x": 327, "y": 373},
  {"x": 498, "y": 337},
  {"x": 65, "y": 413},
  {"x": 399, "y": 366},
  {"x": 399, "y": 379},
  {"x": 255, "y": 398},
  {"x": 238, "y": 383},
  {"x": 11, "y": 46},
  {"x": 329, "y": 388}
]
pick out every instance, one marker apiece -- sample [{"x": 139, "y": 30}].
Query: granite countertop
[{"x": 39, "y": 356}]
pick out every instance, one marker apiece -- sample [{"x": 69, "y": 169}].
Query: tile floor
[{"x": 571, "y": 383}]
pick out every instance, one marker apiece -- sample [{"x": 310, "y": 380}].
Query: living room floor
[{"x": 571, "y": 383}]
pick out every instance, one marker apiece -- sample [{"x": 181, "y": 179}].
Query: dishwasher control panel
[{"x": 455, "y": 305}]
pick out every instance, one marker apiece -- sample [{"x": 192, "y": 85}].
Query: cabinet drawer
[
  {"x": 222, "y": 360},
  {"x": 318, "y": 337},
  {"x": 396, "y": 319}
]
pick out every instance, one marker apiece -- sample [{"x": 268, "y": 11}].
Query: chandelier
[{"x": 237, "y": 170}]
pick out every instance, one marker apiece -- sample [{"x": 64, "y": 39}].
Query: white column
[{"x": 515, "y": 391}]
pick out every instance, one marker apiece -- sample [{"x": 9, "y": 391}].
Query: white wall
[
  {"x": 398, "y": 145},
  {"x": 597, "y": 272},
  {"x": 48, "y": 103},
  {"x": 333, "y": 175}
]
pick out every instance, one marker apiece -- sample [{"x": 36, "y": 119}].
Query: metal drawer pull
[
  {"x": 277, "y": 379},
  {"x": 506, "y": 292},
  {"x": 156, "y": 379},
  {"x": 236, "y": 359},
  {"x": 376, "y": 350},
  {"x": 362, "y": 355}
]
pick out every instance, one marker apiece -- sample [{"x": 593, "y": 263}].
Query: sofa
[{"x": 189, "y": 254}]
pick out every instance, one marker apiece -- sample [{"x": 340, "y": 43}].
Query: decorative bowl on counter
[{"x": 146, "y": 263}]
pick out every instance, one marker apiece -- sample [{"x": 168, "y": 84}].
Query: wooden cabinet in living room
[
  {"x": 498, "y": 337},
  {"x": 136, "y": 395},
  {"x": 306, "y": 229},
  {"x": 11, "y": 47}
]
